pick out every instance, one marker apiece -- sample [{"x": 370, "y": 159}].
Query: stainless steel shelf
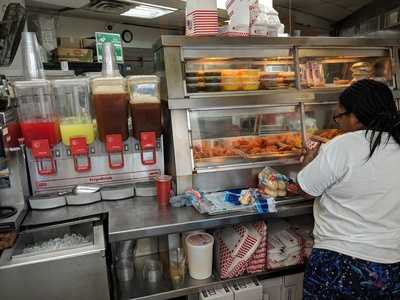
[
  {"x": 139, "y": 289},
  {"x": 142, "y": 217}
]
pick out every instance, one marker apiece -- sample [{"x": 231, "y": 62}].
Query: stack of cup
[
  {"x": 201, "y": 18},
  {"x": 124, "y": 260}
]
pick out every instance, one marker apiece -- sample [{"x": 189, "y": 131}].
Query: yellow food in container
[
  {"x": 250, "y": 79},
  {"x": 230, "y": 80}
]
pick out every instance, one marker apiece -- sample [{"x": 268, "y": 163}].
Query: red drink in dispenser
[
  {"x": 40, "y": 130},
  {"x": 39, "y": 125},
  {"x": 36, "y": 112},
  {"x": 38, "y": 121}
]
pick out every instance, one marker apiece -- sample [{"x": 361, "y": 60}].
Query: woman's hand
[{"x": 310, "y": 152}]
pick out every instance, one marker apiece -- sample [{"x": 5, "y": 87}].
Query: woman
[{"x": 357, "y": 217}]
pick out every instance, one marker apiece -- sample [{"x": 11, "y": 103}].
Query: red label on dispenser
[
  {"x": 114, "y": 143},
  {"x": 148, "y": 140},
  {"x": 115, "y": 149},
  {"x": 148, "y": 147},
  {"x": 80, "y": 151},
  {"x": 41, "y": 149},
  {"x": 79, "y": 146},
  {"x": 42, "y": 153}
]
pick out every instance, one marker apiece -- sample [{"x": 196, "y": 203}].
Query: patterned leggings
[{"x": 331, "y": 275}]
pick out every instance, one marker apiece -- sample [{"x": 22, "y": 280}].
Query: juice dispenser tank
[
  {"x": 145, "y": 108},
  {"x": 76, "y": 125},
  {"x": 38, "y": 122},
  {"x": 110, "y": 99}
]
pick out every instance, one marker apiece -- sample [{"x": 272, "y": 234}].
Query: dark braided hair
[{"x": 373, "y": 104}]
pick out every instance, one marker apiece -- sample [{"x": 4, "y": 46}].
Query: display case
[
  {"x": 236, "y": 105},
  {"x": 229, "y": 72},
  {"x": 339, "y": 67},
  {"x": 223, "y": 137}
]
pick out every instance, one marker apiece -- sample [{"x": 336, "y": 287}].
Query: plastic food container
[
  {"x": 200, "y": 255},
  {"x": 250, "y": 85}
]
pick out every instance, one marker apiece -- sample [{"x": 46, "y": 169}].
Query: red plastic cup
[{"x": 163, "y": 184}]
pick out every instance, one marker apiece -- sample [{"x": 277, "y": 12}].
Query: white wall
[{"x": 143, "y": 37}]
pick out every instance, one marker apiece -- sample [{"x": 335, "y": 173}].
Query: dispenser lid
[
  {"x": 32, "y": 87},
  {"x": 32, "y": 83},
  {"x": 73, "y": 82},
  {"x": 108, "y": 85},
  {"x": 142, "y": 79},
  {"x": 144, "y": 89}
]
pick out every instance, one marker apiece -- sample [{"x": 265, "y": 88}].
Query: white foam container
[{"x": 200, "y": 255}]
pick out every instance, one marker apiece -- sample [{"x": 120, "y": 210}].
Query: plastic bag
[{"x": 272, "y": 183}]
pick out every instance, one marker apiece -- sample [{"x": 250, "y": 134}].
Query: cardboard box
[
  {"x": 245, "y": 289},
  {"x": 69, "y": 42},
  {"x": 74, "y": 55},
  {"x": 88, "y": 43},
  {"x": 220, "y": 292}
]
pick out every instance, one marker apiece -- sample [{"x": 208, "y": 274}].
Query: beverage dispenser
[
  {"x": 145, "y": 106},
  {"x": 38, "y": 121},
  {"x": 39, "y": 124},
  {"x": 76, "y": 124},
  {"x": 110, "y": 100}
]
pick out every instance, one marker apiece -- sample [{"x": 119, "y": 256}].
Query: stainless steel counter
[{"x": 141, "y": 217}]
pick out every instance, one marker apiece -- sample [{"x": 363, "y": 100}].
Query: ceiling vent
[{"x": 109, "y": 6}]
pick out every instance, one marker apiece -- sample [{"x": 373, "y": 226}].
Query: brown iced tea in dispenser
[
  {"x": 145, "y": 108},
  {"x": 110, "y": 100}
]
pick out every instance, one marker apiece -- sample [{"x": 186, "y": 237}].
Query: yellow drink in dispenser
[{"x": 80, "y": 129}]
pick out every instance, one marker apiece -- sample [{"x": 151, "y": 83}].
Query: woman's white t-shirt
[{"x": 358, "y": 213}]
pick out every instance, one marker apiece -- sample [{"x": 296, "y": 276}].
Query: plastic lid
[
  {"x": 108, "y": 85},
  {"x": 164, "y": 178},
  {"x": 84, "y": 82},
  {"x": 32, "y": 84},
  {"x": 33, "y": 69},
  {"x": 200, "y": 239}
]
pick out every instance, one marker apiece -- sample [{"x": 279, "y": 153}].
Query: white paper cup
[{"x": 200, "y": 255}]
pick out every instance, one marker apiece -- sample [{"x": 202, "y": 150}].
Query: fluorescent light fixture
[
  {"x": 220, "y": 4},
  {"x": 148, "y": 11}
]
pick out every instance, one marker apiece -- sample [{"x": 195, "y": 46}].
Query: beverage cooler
[
  {"x": 236, "y": 105},
  {"x": 105, "y": 132}
]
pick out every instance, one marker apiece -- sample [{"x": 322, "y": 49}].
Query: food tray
[
  {"x": 270, "y": 155},
  {"x": 218, "y": 159}
]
